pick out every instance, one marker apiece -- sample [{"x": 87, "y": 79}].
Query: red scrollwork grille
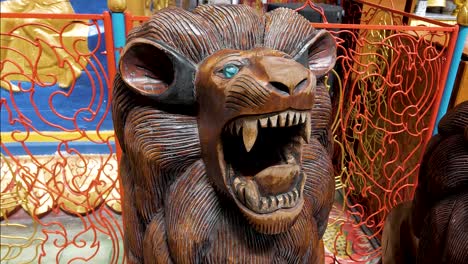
[
  {"x": 386, "y": 88},
  {"x": 60, "y": 196}
]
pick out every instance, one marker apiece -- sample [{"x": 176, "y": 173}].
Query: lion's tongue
[
  {"x": 272, "y": 181},
  {"x": 277, "y": 179}
]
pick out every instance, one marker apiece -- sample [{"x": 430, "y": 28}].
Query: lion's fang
[
  {"x": 249, "y": 133},
  {"x": 305, "y": 132}
]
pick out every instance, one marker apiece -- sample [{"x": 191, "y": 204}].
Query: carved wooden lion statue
[
  {"x": 224, "y": 124},
  {"x": 433, "y": 228}
]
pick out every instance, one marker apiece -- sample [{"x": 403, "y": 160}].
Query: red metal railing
[
  {"x": 387, "y": 88},
  {"x": 60, "y": 196}
]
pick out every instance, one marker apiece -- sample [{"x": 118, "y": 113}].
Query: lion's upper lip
[{"x": 249, "y": 125}]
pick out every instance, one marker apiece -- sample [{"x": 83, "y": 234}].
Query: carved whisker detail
[
  {"x": 248, "y": 100},
  {"x": 250, "y": 86}
]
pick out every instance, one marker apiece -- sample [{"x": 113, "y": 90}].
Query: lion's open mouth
[{"x": 263, "y": 157}]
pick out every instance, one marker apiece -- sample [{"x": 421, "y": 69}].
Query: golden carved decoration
[
  {"x": 36, "y": 198},
  {"x": 41, "y": 50},
  {"x": 9, "y": 198},
  {"x": 82, "y": 185},
  {"x": 462, "y": 16},
  {"x": 76, "y": 184},
  {"x": 147, "y": 7},
  {"x": 117, "y": 5},
  {"x": 158, "y": 5}
]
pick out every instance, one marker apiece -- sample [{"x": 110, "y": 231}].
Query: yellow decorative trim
[
  {"x": 54, "y": 136},
  {"x": 431, "y": 3}
]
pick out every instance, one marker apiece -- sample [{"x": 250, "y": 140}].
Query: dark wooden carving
[
  {"x": 224, "y": 124},
  {"x": 433, "y": 228}
]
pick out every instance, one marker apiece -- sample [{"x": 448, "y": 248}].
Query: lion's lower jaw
[{"x": 274, "y": 223}]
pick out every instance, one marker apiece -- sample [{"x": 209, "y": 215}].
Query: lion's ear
[
  {"x": 319, "y": 53},
  {"x": 158, "y": 71}
]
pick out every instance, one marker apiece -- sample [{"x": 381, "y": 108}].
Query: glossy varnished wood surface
[{"x": 172, "y": 106}]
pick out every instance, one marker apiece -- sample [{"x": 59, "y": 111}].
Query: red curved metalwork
[
  {"x": 59, "y": 205},
  {"x": 391, "y": 76}
]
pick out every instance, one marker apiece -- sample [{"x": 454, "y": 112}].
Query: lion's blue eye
[{"x": 229, "y": 70}]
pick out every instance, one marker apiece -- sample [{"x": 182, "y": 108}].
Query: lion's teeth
[
  {"x": 280, "y": 200},
  {"x": 249, "y": 133},
  {"x": 252, "y": 196},
  {"x": 232, "y": 128},
  {"x": 288, "y": 116},
  {"x": 290, "y": 119},
  {"x": 241, "y": 192},
  {"x": 238, "y": 127},
  {"x": 273, "y": 120},
  {"x": 303, "y": 117},
  {"x": 285, "y": 119},
  {"x": 291, "y": 197},
  {"x": 296, "y": 118},
  {"x": 282, "y": 119},
  {"x": 264, "y": 122},
  {"x": 272, "y": 202},
  {"x": 296, "y": 193},
  {"x": 286, "y": 199},
  {"x": 236, "y": 182},
  {"x": 305, "y": 132},
  {"x": 263, "y": 203}
]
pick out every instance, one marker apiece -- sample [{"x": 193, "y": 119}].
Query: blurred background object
[{"x": 435, "y": 6}]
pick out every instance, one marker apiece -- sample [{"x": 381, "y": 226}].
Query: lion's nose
[
  {"x": 285, "y": 75},
  {"x": 289, "y": 88}
]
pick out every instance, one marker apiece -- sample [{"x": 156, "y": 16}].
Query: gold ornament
[
  {"x": 462, "y": 15},
  {"x": 117, "y": 5}
]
